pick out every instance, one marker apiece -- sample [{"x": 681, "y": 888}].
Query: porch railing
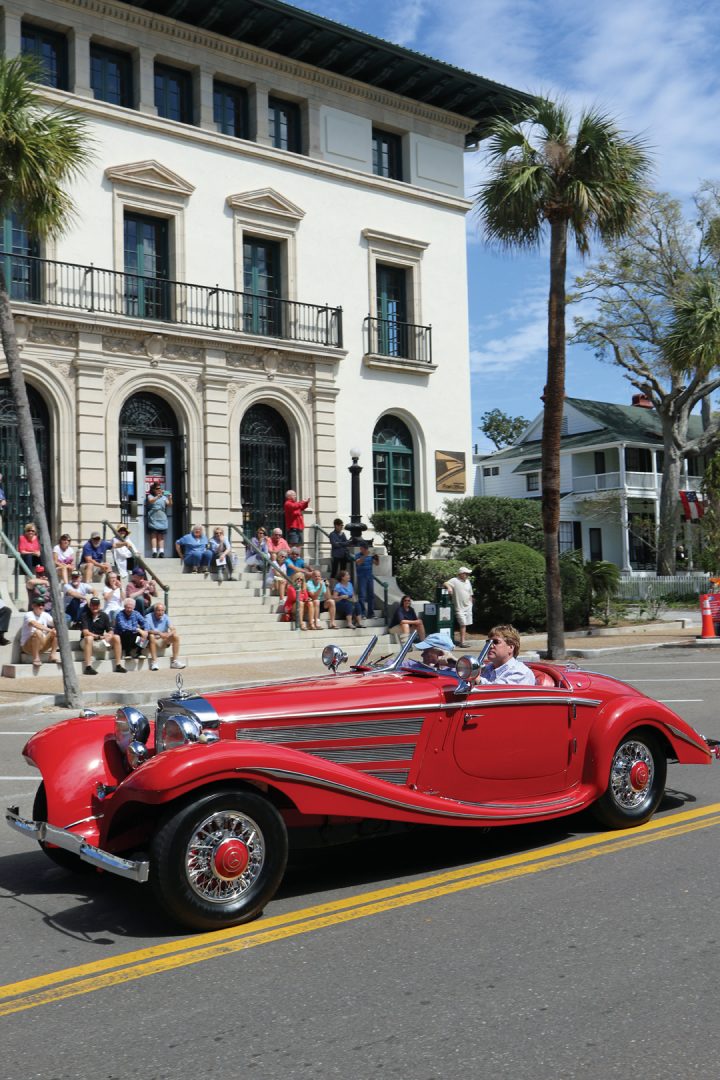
[
  {"x": 405, "y": 341},
  {"x": 90, "y": 288}
]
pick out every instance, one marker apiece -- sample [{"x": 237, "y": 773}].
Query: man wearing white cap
[
  {"x": 436, "y": 652},
  {"x": 460, "y": 588}
]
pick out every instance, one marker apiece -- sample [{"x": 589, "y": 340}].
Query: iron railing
[
  {"x": 90, "y": 288},
  {"x": 402, "y": 340},
  {"x": 149, "y": 570},
  {"x": 317, "y": 530},
  {"x": 19, "y": 565}
]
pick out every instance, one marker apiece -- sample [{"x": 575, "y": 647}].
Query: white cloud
[{"x": 405, "y": 21}]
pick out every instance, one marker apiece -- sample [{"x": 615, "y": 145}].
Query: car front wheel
[
  {"x": 636, "y": 783},
  {"x": 217, "y": 861}
]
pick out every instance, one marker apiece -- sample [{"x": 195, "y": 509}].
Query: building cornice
[
  {"x": 187, "y": 34},
  {"x": 187, "y": 133}
]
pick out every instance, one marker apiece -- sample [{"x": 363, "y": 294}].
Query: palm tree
[
  {"x": 40, "y": 150},
  {"x": 590, "y": 182}
]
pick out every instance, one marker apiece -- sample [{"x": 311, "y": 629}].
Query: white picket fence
[{"x": 675, "y": 585}]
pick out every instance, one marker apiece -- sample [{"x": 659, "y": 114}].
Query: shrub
[
  {"x": 576, "y": 592},
  {"x": 470, "y": 554},
  {"x": 509, "y": 586},
  {"x": 420, "y": 579},
  {"x": 483, "y": 519},
  {"x": 407, "y": 534}
]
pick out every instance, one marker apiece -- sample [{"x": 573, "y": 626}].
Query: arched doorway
[
  {"x": 264, "y": 467},
  {"x": 393, "y": 465},
  {"x": 12, "y": 462},
  {"x": 151, "y": 449}
]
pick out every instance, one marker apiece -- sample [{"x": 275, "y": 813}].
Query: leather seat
[{"x": 543, "y": 679}]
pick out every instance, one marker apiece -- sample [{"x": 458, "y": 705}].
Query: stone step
[{"x": 303, "y": 647}]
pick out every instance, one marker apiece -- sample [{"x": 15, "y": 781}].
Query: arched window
[
  {"x": 151, "y": 450},
  {"x": 12, "y": 462},
  {"x": 393, "y": 465},
  {"x": 264, "y": 467}
]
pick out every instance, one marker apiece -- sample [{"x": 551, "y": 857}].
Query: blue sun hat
[{"x": 436, "y": 641}]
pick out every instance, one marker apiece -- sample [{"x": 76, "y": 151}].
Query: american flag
[{"x": 693, "y": 507}]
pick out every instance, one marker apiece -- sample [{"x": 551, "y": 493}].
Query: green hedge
[
  {"x": 420, "y": 579},
  {"x": 485, "y": 519},
  {"x": 407, "y": 534},
  {"x": 576, "y": 590},
  {"x": 509, "y": 586}
]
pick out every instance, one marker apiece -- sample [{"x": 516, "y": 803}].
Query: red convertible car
[{"x": 200, "y": 800}]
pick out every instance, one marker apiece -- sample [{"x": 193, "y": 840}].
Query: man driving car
[{"x": 502, "y": 664}]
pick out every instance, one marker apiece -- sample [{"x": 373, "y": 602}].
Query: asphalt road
[{"x": 555, "y": 951}]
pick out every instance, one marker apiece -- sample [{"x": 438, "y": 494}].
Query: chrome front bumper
[{"x": 134, "y": 869}]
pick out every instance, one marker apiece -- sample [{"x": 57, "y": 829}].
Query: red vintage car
[{"x": 201, "y": 799}]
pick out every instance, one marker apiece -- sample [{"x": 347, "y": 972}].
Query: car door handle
[{"x": 469, "y": 722}]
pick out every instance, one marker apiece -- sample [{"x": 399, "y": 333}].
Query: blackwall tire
[
  {"x": 636, "y": 783},
  {"x": 66, "y": 860},
  {"x": 217, "y": 861}
]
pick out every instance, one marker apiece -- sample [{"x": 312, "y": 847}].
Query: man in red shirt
[{"x": 294, "y": 521}]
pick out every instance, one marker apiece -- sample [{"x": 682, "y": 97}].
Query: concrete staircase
[{"x": 218, "y": 622}]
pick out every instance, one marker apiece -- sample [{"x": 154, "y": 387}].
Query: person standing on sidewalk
[{"x": 461, "y": 591}]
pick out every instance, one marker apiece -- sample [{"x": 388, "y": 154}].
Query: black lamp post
[{"x": 355, "y": 525}]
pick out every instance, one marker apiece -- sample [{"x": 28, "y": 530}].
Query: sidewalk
[{"x": 107, "y": 691}]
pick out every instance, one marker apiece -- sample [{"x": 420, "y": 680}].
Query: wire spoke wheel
[
  {"x": 218, "y": 858},
  {"x": 636, "y": 782},
  {"x": 632, "y": 774},
  {"x": 225, "y": 856}
]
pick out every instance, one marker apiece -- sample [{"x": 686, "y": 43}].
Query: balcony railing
[
  {"x": 597, "y": 482},
  {"x": 401, "y": 340},
  {"x": 633, "y": 480},
  {"x": 110, "y": 292}
]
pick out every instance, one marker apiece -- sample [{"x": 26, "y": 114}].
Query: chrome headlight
[
  {"x": 131, "y": 726},
  {"x": 176, "y": 730}
]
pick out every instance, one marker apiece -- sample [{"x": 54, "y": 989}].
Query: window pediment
[
  {"x": 149, "y": 176},
  {"x": 266, "y": 202}
]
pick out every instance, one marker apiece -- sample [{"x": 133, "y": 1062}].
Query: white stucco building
[{"x": 267, "y": 268}]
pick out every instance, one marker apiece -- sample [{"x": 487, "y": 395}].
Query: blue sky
[{"x": 652, "y": 64}]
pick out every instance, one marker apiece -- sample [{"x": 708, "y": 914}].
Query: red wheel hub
[
  {"x": 639, "y": 775},
  {"x": 230, "y": 859}
]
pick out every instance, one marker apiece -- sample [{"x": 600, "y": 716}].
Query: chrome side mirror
[
  {"x": 332, "y": 657},
  {"x": 467, "y": 670}
]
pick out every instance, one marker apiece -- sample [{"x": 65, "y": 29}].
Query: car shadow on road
[
  {"x": 102, "y": 909},
  {"x": 428, "y": 849}
]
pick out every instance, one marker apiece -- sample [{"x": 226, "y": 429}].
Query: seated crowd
[{"x": 112, "y": 602}]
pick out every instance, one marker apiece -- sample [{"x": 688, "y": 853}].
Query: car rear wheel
[
  {"x": 217, "y": 861},
  {"x": 68, "y": 860},
  {"x": 636, "y": 784}
]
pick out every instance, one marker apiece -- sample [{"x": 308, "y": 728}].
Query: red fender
[{"x": 626, "y": 714}]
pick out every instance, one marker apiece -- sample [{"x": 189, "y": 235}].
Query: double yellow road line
[{"x": 116, "y": 970}]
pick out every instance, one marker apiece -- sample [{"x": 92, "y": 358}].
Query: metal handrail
[
  {"x": 114, "y": 292},
  {"x": 19, "y": 564},
  {"x": 146, "y": 566},
  {"x": 269, "y": 564},
  {"x": 316, "y": 541},
  {"x": 383, "y": 584}
]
